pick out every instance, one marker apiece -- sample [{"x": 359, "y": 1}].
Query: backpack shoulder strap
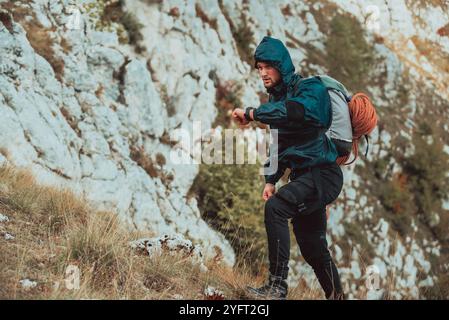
[
  {"x": 296, "y": 86},
  {"x": 332, "y": 84}
]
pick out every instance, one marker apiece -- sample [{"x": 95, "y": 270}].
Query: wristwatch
[{"x": 247, "y": 112}]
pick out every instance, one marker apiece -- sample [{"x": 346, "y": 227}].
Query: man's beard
[
  {"x": 268, "y": 85},
  {"x": 276, "y": 88}
]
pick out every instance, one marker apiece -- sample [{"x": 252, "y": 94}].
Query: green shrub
[
  {"x": 427, "y": 169},
  {"x": 357, "y": 235},
  {"x": 380, "y": 166},
  {"x": 349, "y": 55},
  {"x": 230, "y": 199},
  {"x": 396, "y": 197},
  {"x": 133, "y": 27},
  {"x": 242, "y": 35},
  {"x": 110, "y": 16}
]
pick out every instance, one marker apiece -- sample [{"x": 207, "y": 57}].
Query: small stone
[
  {"x": 203, "y": 268},
  {"x": 213, "y": 294},
  {"x": 28, "y": 284},
  {"x": 8, "y": 236}
]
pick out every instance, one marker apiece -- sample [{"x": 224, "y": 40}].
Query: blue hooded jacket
[{"x": 300, "y": 109}]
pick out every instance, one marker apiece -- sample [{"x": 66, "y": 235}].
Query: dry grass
[
  {"x": 203, "y": 16},
  {"x": 6, "y": 20},
  {"x": 153, "y": 168},
  {"x": 40, "y": 38},
  {"x": 54, "y": 229},
  {"x": 42, "y": 42},
  {"x": 432, "y": 51},
  {"x": 444, "y": 31},
  {"x": 139, "y": 155}
]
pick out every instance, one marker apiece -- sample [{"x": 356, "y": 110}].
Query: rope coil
[{"x": 363, "y": 121}]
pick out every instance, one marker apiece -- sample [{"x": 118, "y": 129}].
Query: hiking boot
[{"x": 276, "y": 288}]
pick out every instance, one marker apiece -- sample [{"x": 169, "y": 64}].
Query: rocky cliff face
[{"x": 91, "y": 90}]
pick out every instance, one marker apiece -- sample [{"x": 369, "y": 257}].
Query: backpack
[{"x": 351, "y": 118}]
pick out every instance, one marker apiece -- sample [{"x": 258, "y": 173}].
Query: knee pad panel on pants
[{"x": 296, "y": 192}]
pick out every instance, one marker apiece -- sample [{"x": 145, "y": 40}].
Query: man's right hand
[
  {"x": 268, "y": 191},
  {"x": 239, "y": 116}
]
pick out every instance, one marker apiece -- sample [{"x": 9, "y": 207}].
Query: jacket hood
[{"x": 273, "y": 51}]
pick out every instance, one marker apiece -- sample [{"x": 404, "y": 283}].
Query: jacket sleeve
[
  {"x": 273, "y": 168},
  {"x": 310, "y": 104},
  {"x": 274, "y": 178}
]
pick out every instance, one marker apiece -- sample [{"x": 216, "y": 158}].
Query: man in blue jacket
[{"x": 300, "y": 110}]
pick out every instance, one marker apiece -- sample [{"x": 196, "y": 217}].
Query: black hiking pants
[{"x": 303, "y": 200}]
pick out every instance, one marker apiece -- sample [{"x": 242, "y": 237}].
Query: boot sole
[{"x": 254, "y": 292}]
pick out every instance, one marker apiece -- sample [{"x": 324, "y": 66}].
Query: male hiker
[{"x": 300, "y": 110}]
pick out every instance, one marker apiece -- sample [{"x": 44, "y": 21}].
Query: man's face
[{"x": 269, "y": 75}]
